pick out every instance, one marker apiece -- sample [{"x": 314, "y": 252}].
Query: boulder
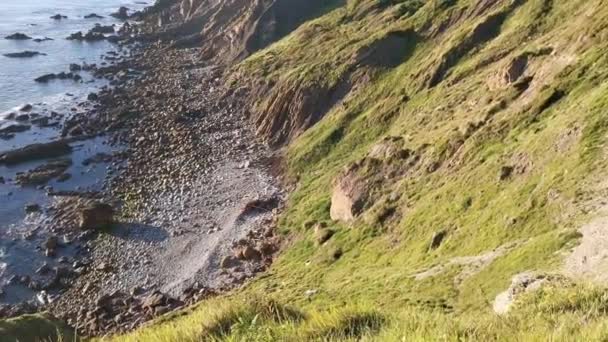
[
  {"x": 437, "y": 239},
  {"x": 24, "y": 54},
  {"x": 14, "y": 128},
  {"x": 122, "y": 13},
  {"x": 229, "y": 262},
  {"x": 154, "y": 300},
  {"x": 96, "y": 216},
  {"x": 18, "y": 36},
  {"x": 32, "y": 208},
  {"x": 40, "y": 40},
  {"x": 35, "y": 151},
  {"x": 348, "y": 196},
  {"x": 102, "y": 29},
  {"x": 58, "y": 17},
  {"x": 248, "y": 253},
  {"x": 43, "y": 173},
  {"x": 93, "y": 16}
]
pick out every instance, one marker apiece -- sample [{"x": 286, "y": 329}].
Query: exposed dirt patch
[
  {"x": 589, "y": 260},
  {"x": 471, "y": 265}
]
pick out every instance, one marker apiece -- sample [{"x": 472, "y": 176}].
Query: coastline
[{"x": 194, "y": 196}]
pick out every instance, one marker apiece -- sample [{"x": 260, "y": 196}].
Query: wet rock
[
  {"x": 22, "y": 117},
  {"x": 18, "y": 36},
  {"x": 61, "y": 76},
  {"x": 92, "y": 97},
  {"x": 58, "y": 17},
  {"x": 64, "y": 177},
  {"x": 75, "y": 67},
  {"x": 44, "y": 269},
  {"x": 14, "y": 128},
  {"x": 41, "y": 121},
  {"x": 32, "y": 208},
  {"x": 52, "y": 242},
  {"x": 122, "y": 13},
  {"x": 96, "y": 216},
  {"x": 50, "y": 253},
  {"x": 88, "y": 37},
  {"x": 26, "y": 108},
  {"x": 40, "y": 40},
  {"x": 76, "y": 131},
  {"x": 24, "y": 54},
  {"x": 93, "y": 16},
  {"x": 102, "y": 29},
  {"x": 44, "y": 173},
  {"x": 113, "y": 39}
]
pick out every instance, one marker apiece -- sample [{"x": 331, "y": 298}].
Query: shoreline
[{"x": 194, "y": 197}]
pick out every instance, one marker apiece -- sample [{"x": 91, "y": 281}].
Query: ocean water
[
  {"x": 32, "y": 17},
  {"x": 17, "y": 87}
]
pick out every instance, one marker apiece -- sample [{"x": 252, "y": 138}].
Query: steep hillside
[{"x": 437, "y": 149}]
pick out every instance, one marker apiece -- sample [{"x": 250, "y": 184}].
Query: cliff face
[
  {"x": 231, "y": 30},
  {"x": 445, "y": 155}
]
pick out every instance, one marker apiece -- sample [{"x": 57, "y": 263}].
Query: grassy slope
[{"x": 369, "y": 290}]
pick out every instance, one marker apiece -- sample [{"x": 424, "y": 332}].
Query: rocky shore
[{"x": 187, "y": 209}]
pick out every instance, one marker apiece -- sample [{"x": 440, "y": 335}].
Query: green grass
[
  {"x": 448, "y": 103},
  {"x": 35, "y": 328}
]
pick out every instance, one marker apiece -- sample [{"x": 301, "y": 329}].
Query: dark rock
[
  {"x": 51, "y": 242},
  {"x": 64, "y": 177},
  {"x": 43, "y": 173},
  {"x": 18, "y": 36},
  {"x": 93, "y": 16},
  {"x": 88, "y": 37},
  {"x": 76, "y": 131},
  {"x": 60, "y": 76},
  {"x": 92, "y": 97},
  {"x": 40, "y": 40},
  {"x": 96, "y": 216},
  {"x": 505, "y": 172},
  {"x": 75, "y": 67},
  {"x": 26, "y": 108},
  {"x": 437, "y": 239},
  {"x": 32, "y": 208},
  {"x": 36, "y": 151},
  {"x": 44, "y": 269},
  {"x": 14, "y": 128},
  {"x": 122, "y": 13},
  {"x": 22, "y": 117},
  {"x": 59, "y": 17},
  {"x": 113, "y": 39},
  {"x": 102, "y": 29},
  {"x": 42, "y": 121},
  {"x": 161, "y": 310},
  {"x": 322, "y": 234},
  {"x": 24, "y": 54}
]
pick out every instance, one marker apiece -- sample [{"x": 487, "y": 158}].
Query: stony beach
[{"x": 187, "y": 207}]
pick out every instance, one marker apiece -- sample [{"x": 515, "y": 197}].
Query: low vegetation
[{"x": 503, "y": 103}]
